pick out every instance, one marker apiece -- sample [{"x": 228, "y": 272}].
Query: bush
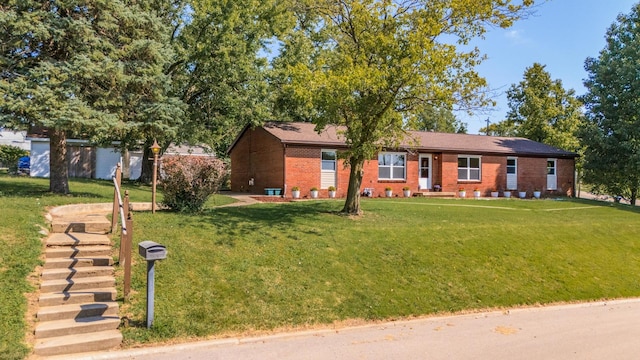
[
  {"x": 9, "y": 156},
  {"x": 188, "y": 181}
]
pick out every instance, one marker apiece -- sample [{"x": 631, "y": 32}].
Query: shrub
[
  {"x": 314, "y": 189},
  {"x": 188, "y": 181},
  {"x": 332, "y": 188},
  {"x": 9, "y": 156}
]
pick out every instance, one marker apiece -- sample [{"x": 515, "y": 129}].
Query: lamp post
[{"x": 155, "y": 148}]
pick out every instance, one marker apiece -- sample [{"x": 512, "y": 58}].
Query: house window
[
  {"x": 468, "y": 168},
  {"x": 551, "y": 167},
  {"x": 391, "y": 166},
  {"x": 328, "y": 160},
  {"x": 511, "y": 166}
]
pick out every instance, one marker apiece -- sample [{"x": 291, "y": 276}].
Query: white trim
[
  {"x": 429, "y": 183},
  {"x": 391, "y": 167},
  {"x": 552, "y": 179},
  {"x": 328, "y": 177},
  {"x": 512, "y": 179},
  {"x": 468, "y": 168}
]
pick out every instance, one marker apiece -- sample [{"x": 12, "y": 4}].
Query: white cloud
[{"x": 516, "y": 37}]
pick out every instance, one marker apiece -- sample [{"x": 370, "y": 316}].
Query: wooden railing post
[
  {"x": 116, "y": 199},
  {"x": 127, "y": 264}
]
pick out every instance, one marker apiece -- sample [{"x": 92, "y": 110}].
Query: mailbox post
[{"x": 151, "y": 251}]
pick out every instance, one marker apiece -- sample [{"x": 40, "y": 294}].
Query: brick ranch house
[{"x": 282, "y": 155}]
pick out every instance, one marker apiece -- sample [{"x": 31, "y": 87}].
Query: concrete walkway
[{"x": 598, "y": 330}]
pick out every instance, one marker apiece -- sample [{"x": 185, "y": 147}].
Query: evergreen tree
[
  {"x": 92, "y": 68},
  {"x": 612, "y": 131}
]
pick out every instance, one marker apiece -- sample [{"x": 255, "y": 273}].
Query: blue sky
[{"x": 561, "y": 35}]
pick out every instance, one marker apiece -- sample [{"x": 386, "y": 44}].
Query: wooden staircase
[{"x": 77, "y": 308}]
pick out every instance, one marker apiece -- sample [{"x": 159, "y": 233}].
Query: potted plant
[
  {"x": 406, "y": 191},
  {"x": 495, "y": 193},
  {"x": 536, "y": 193},
  {"x": 388, "y": 191},
  {"x": 295, "y": 192},
  {"x": 462, "y": 192},
  {"x": 332, "y": 191},
  {"x": 314, "y": 192},
  {"x": 522, "y": 194},
  {"x": 507, "y": 194},
  {"x": 476, "y": 193}
]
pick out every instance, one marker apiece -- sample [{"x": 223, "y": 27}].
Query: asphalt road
[{"x": 598, "y": 330}]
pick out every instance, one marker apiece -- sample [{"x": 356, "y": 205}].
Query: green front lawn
[
  {"x": 283, "y": 266},
  {"x": 23, "y": 202}
]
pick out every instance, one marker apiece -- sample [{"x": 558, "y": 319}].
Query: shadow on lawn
[
  {"x": 596, "y": 202},
  {"x": 233, "y": 221},
  {"x": 12, "y": 186}
]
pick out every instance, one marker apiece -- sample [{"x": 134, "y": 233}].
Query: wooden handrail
[
  {"x": 126, "y": 224},
  {"x": 120, "y": 206}
]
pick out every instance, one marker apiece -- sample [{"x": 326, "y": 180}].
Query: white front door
[
  {"x": 424, "y": 172},
  {"x": 512, "y": 173},
  {"x": 552, "y": 177}
]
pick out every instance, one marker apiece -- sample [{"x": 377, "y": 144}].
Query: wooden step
[
  {"x": 77, "y": 251},
  {"x": 49, "y": 286},
  {"x": 79, "y": 273},
  {"x": 77, "y": 297},
  {"x": 98, "y": 224},
  {"x": 70, "y": 239},
  {"x": 73, "y": 344},
  {"x": 67, "y": 263},
  {"x": 82, "y": 326},
  {"x": 76, "y": 311}
]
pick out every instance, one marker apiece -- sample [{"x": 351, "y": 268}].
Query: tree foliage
[
  {"x": 370, "y": 65},
  {"x": 9, "y": 156},
  {"x": 90, "y": 68},
  {"x": 438, "y": 120},
  {"x": 541, "y": 109},
  {"x": 612, "y": 131},
  {"x": 222, "y": 73}
]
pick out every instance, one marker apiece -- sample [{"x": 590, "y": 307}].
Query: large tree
[
  {"x": 370, "y": 64},
  {"x": 541, "y": 109},
  {"x": 221, "y": 74},
  {"x": 612, "y": 132},
  {"x": 92, "y": 68}
]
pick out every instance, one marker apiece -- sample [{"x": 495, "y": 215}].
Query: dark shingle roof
[{"x": 305, "y": 134}]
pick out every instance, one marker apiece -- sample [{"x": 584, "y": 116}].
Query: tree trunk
[
  {"x": 352, "y": 204},
  {"x": 58, "y": 170},
  {"x": 146, "y": 173}
]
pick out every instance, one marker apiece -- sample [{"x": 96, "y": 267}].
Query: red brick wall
[
  {"x": 260, "y": 156},
  {"x": 257, "y": 155}
]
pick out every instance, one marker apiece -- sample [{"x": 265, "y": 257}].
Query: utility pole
[{"x": 487, "y": 128}]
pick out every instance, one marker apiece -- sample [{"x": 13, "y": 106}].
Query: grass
[
  {"x": 299, "y": 265},
  {"x": 246, "y": 270},
  {"x": 24, "y": 202}
]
